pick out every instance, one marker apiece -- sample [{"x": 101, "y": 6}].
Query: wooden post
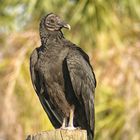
[{"x": 59, "y": 134}]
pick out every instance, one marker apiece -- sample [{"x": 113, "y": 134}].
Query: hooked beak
[{"x": 65, "y": 25}]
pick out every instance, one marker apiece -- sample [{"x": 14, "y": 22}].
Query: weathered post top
[{"x": 59, "y": 134}]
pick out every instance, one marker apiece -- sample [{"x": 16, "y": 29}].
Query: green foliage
[{"x": 109, "y": 32}]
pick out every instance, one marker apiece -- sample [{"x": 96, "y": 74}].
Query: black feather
[{"x": 62, "y": 76}]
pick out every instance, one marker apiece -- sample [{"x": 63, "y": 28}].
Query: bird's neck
[{"x": 50, "y": 36}]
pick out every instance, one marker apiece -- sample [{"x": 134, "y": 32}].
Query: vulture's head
[{"x": 53, "y": 22}]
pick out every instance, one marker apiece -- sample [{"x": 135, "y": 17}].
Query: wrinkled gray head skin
[{"x": 52, "y": 22}]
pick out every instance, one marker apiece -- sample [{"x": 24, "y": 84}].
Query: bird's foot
[{"x": 69, "y": 128}]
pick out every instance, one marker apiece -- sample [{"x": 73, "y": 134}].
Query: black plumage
[{"x": 63, "y": 78}]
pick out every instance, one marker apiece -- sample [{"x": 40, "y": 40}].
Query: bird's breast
[{"x": 49, "y": 67}]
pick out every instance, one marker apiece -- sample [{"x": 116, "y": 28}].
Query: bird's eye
[{"x": 52, "y": 21}]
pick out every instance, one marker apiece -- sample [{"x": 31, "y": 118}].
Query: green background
[{"x": 108, "y": 30}]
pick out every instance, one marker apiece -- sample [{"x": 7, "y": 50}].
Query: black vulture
[{"x": 63, "y": 78}]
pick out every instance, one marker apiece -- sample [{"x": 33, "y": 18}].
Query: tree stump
[{"x": 59, "y": 134}]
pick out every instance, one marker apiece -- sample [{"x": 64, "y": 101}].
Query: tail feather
[{"x": 90, "y": 135}]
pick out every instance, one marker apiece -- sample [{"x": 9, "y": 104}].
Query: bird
[{"x": 63, "y": 78}]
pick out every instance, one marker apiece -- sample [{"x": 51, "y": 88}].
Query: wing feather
[
  {"x": 42, "y": 92},
  {"x": 83, "y": 81}
]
